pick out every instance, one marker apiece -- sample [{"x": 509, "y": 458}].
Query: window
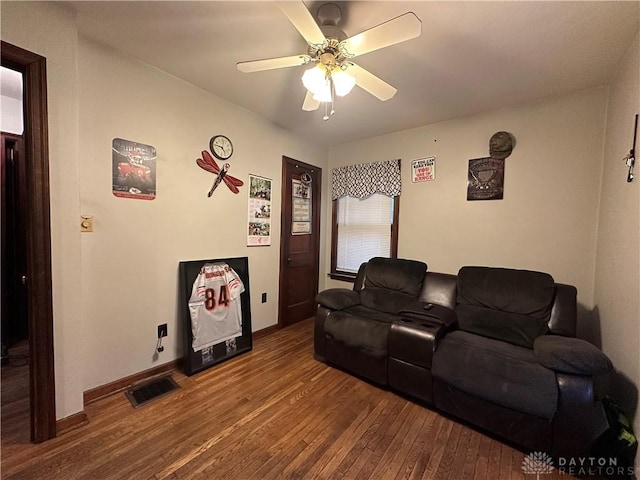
[
  {"x": 362, "y": 229},
  {"x": 366, "y": 202}
]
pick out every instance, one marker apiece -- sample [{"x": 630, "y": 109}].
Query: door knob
[{"x": 23, "y": 279}]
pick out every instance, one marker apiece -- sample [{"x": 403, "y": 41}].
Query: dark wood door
[
  {"x": 14, "y": 261},
  {"x": 300, "y": 241}
]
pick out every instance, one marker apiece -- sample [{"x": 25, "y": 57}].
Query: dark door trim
[{"x": 38, "y": 234}]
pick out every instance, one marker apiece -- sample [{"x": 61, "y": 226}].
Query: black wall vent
[{"x": 143, "y": 393}]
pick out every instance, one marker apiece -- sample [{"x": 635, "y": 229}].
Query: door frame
[
  {"x": 38, "y": 234},
  {"x": 315, "y": 228}
]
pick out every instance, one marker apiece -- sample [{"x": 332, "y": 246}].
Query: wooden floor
[
  {"x": 273, "y": 413},
  {"x": 14, "y": 420}
]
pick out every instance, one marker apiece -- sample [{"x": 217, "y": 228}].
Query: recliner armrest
[
  {"x": 571, "y": 355},
  {"x": 338, "y": 298}
]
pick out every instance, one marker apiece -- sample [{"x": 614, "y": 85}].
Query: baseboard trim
[
  {"x": 265, "y": 331},
  {"x": 120, "y": 385},
  {"x": 71, "y": 422}
]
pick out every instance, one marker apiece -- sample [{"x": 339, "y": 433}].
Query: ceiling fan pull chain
[{"x": 333, "y": 96}]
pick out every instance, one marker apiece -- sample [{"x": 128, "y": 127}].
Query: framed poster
[
  {"x": 259, "y": 215},
  {"x": 301, "y": 208},
  {"x": 133, "y": 169},
  {"x": 215, "y": 311}
]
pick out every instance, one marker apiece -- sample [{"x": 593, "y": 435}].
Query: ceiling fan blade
[
  {"x": 400, "y": 29},
  {"x": 372, "y": 84},
  {"x": 272, "y": 63},
  {"x": 302, "y": 19},
  {"x": 310, "y": 104}
]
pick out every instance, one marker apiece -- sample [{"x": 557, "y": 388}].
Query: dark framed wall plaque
[
  {"x": 215, "y": 311},
  {"x": 485, "y": 180}
]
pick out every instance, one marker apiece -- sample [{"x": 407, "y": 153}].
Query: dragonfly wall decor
[{"x": 209, "y": 164}]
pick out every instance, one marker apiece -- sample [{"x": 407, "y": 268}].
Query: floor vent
[{"x": 144, "y": 393}]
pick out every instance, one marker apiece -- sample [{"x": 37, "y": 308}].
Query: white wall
[
  {"x": 617, "y": 278},
  {"x": 548, "y": 217},
  {"x": 49, "y": 30},
  {"x": 130, "y": 262},
  {"x": 113, "y": 287}
]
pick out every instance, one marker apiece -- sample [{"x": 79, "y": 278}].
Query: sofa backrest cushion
[
  {"x": 505, "y": 304},
  {"x": 397, "y": 274},
  {"x": 389, "y": 283}
]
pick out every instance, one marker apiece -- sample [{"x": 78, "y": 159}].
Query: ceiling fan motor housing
[
  {"x": 331, "y": 53},
  {"x": 329, "y": 14}
]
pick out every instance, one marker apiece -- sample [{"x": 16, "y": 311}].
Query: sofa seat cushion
[
  {"x": 384, "y": 300},
  {"x": 364, "y": 334},
  {"x": 504, "y": 304},
  {"x": 496, "y": 371},
  {"x": 365, "y": 312}
]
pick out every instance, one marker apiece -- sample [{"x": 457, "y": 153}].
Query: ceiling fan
[{"x": 330, "y": 52}]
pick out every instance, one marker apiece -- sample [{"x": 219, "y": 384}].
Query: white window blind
[{"x": 364, "y": 230}]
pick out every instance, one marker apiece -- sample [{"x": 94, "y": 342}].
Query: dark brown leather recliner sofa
[{"x": 494, "y": 347}]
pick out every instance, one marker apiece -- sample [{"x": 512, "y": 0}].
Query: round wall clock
[{"x": 221, "y": 147}]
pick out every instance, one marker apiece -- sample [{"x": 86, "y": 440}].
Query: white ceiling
[{"x": 471, "y": 57}]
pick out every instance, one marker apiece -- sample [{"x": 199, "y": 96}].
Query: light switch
[{"x": 86, "y": 223}]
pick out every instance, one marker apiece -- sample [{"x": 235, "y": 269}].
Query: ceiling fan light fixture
[
  {"x": 318, "y": 81},
  {"x": 314, "y": 79},
  {"x": 323, "y": 94},
  {"x": 343, "y": 81}
]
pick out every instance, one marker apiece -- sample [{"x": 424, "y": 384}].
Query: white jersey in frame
[{"x": 214, "y": 306}]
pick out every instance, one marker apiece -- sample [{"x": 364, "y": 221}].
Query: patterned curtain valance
[{"x": 365, "y": 179}]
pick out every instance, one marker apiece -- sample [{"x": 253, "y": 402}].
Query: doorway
[
  {"x": 14, "y": 334},
  {"x": 37, "y": 239},
  {"x": 14, "y": 300},
  {"x": 300, "y": 241}
]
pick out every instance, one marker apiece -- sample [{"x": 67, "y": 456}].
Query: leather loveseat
[{"x": 494, "y": 347}]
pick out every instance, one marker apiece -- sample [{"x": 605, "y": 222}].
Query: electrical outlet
[
  {"x": 264, "y": 297},
  {"x": 162, "y": 330}
]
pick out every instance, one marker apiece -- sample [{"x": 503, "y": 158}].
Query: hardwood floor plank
[
  {"x": 400, "y": 447},
  {"x": 482, "y": 458},
  {"x": 493, "y": 468},
  {"x": 418, "y": 458},
  {"x": 350, "y": 438},
  {"x": 440, "y": 443},
  {"x": 363, "y": 451},
  {"x": 272, "y": 413},
  {"x": 516, "y": 465},
  {"x": 449, "y": 453},
  {"x": 460, "y": 454},
  {"x": 469, "y": 461}
]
